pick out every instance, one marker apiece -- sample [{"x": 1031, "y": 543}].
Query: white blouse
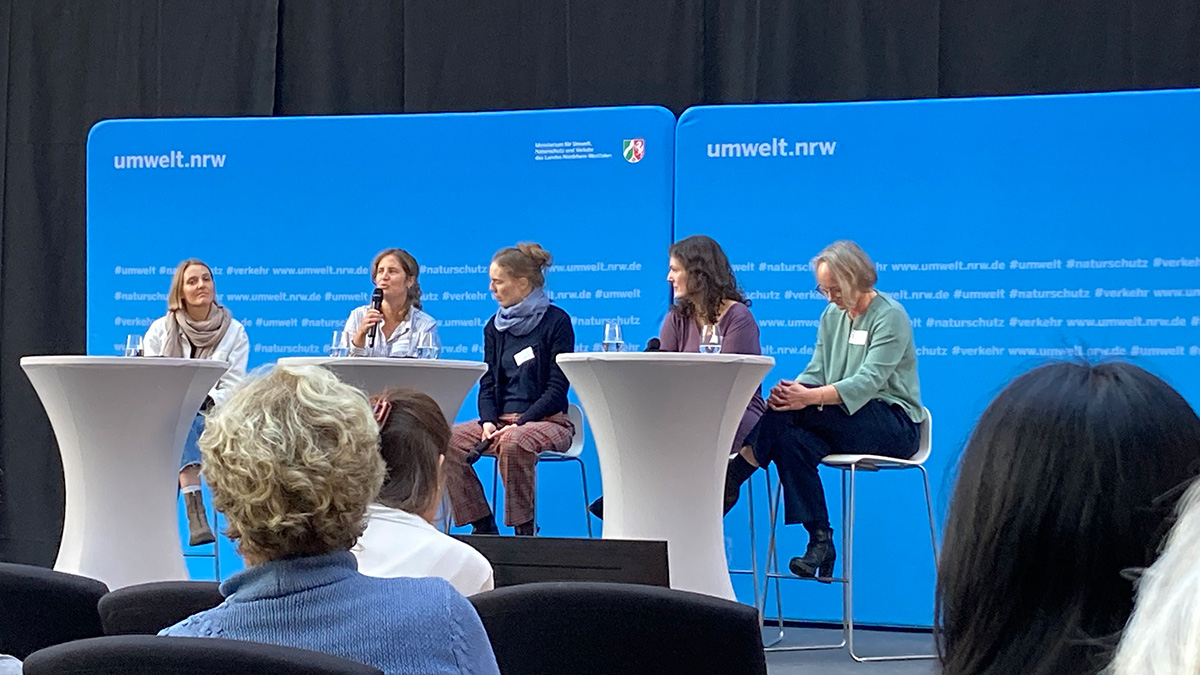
[
  {"x": 402, "y": 544},
  {"x": 233, "y": 349},
  {"x": 401, "y": 343}
]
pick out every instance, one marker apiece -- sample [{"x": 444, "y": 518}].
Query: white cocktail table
[
  {"x": 120, "y": 424},
  {"x": 447, "y": 382},
  {"x": 663, "y": 424}
]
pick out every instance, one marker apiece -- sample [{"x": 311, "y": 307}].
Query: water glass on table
[
  {"x": 710, "y": 339},
  {"x": 612, "y": 337},
  {"x": 337, "y": 345},
  {"x": 426, "y": 346},
  {"x": 133, "y": 345}
]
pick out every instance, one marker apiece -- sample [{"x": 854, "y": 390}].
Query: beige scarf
[{"x": 204, "y": 336}]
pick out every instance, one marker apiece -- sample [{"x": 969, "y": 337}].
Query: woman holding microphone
[
  {"x": 859, "y": 394},
  {"x": 400, "y": 327},
  {"x": 196, "y": 326},
  {"x": 522, "y": 396}
]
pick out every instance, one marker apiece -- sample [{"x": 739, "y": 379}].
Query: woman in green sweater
[{"x": 859, "y": 394}]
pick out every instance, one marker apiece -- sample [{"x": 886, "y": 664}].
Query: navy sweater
[{"x": 544, "y": 384}]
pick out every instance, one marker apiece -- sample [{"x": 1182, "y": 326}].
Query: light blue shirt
[
  {"x": 402, "y": 343},
  {"x": 402, "y": 626}
]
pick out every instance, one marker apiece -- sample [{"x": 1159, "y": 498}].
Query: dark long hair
[
  {"x": 1066, "y": 484},
  {"x": 710, "y": 279},
  {"x": 413, "y": 437}
]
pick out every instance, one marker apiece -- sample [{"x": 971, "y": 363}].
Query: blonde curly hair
[{"x": 293, "y": 460}]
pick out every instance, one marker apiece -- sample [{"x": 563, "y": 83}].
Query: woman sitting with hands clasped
[
  {"x": 859, "y": 394},
  {"x": 522, "y": 396},
  {"x": 400, "y": 324}
]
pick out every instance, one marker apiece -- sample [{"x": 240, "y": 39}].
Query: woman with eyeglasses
[{"x": 859, "y": 394}]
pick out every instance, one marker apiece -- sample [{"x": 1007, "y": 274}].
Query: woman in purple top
[{"x": 705, "y": 293}]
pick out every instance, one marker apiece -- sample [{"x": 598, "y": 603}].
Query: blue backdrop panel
[
  {"x": 1014, "y": 230},
  {"x": 290, "y": 211}
]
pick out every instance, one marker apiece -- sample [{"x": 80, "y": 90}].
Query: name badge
[
  {"x": 858, "y": 337},
  {"x": 524, "y": 355}
]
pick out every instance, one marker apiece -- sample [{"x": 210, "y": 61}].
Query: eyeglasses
[{"x": 828, "y": 291}]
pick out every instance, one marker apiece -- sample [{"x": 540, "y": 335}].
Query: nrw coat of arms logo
[{"x": 634, "y": 149}]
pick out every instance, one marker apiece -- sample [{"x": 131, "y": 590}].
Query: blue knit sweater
[{"x": 401, "y": 625}]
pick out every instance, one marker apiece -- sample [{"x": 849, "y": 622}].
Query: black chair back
[
  {"x": 40, "y": 608},
  {"x": 588, "y": 628},
  {"x": 123, "y": 654},
  {"x": 146, "y": 609}
]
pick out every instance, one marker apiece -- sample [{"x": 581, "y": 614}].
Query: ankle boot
[
  {"x": 738, "y": 471},
  {"x": 526, "y": 529},
  {"x": 818, "y": 559},
  {"x": 198, "y": 530},
  {"x": 485, "y": 525}
]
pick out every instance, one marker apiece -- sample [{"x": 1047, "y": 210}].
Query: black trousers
[{"x": 797, "y": 440}]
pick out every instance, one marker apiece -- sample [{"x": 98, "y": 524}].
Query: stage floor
[{"x": 838, "y": 661}]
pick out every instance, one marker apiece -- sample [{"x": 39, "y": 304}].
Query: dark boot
[
  {"x": 525, "y": 529},
  {"x": 737, "y": 472},
  {"x": 818, "y": 559},
  {"x": 485, "y": 525},
  {"x": 198, "y": 530},
  {"x": 597, "y": 508}
]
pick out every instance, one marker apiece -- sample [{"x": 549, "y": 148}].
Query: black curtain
[
  {"x": 71, "y": 64},
  {"x": 66, "y": 64}
]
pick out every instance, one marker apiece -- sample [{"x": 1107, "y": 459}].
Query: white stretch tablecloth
[
  {"x": 120, "y": 424},
  {"x": 445, "y": 381},
  {"x": 664, "y": 424}
]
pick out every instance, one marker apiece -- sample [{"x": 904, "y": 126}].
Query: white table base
[
  {"x": 121, "y": 424},
  {"x": 664, "y": 424}
]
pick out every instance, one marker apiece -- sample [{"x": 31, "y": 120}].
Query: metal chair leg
[
  {"x": 848, "y": 617},
  {"x": 753, "y": 545},
  {"x": 929, "y": 508},
  {"x": 772, "y": 566},
  {"x": 587, "y": 515},
  {"x": 495, "y": 479}
]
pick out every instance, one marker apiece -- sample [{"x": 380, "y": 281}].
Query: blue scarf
[{"x": 523, "y": 317}]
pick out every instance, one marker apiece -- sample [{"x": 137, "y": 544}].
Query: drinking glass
[
  {"x": 710, "y": 340},
  {"x": 337, "y": 345},
  {"x": 133, "y": 345},
  {"x": 612, "y": 337},
  {"x": 426, "y": 347}
]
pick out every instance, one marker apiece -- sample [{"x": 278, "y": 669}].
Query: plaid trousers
[{"x": 516, "y": 451}]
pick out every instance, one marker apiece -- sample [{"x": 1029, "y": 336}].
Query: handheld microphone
[
  {"x": 377, "y": 305},
  {"x": 654, "y": 345}
]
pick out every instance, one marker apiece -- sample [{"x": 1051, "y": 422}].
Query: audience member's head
[
  {"x": 413, "y": 437},
  {"x": 1163, "y": 635},
  {"x": 1065, "y": 485},
  {"x": 292, "y": 459}
]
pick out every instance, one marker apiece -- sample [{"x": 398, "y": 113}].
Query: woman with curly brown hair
[
  {"x": 706, "y": 294},
  {"x": 293, "y": 461}
]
